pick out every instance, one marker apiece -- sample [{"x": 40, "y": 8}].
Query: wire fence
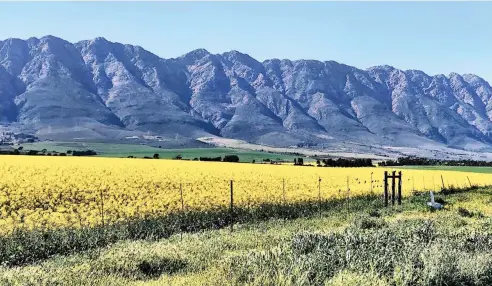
[{"x": 226, "y": 201}]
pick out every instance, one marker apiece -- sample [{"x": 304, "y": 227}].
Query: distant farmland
[{"x": 125, "y": 150}]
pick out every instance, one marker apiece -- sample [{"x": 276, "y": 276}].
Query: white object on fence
[{"x": 432, "y": 203}]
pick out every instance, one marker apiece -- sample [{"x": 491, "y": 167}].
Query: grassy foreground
[{"x": 355, "y": 243}]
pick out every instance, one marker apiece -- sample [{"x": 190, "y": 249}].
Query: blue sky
[{"x": 435, "y": 37}]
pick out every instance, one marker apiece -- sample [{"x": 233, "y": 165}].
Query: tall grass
[
  {"x": 27, "y": 246},
  {"x": 413, "y": 252}
]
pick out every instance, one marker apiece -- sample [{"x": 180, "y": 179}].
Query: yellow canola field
[{"x": 48, "y": 192}]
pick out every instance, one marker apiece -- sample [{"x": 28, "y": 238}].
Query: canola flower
[{"x": 51, "y": 192}]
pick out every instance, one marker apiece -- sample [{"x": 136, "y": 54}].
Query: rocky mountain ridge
[{"x": 100, "y": 90}]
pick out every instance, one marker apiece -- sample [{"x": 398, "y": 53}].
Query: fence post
[
  {"x": 348, "y": 194},
  {"x": 182, "y": 210},
  {"x": 319, "y": 196},
  {"x": 399, "y": 188},
  {"x": 413, "y": 183},
  {"x": 442, "y": 180},
  {"x": 232, "y": 207},
  {"x": 102, "y": 207},
  {"x": 283, "y": 189},
  {"x": 371, "y": 184},
  {"x": 469, "y": 182},
  {"x": 102, "y": 234},
  {"x": 385, "y": 188},
  {"x": 393, "y": 194}
]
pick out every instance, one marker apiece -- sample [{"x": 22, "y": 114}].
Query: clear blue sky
[{"x": 434, "y": 37}]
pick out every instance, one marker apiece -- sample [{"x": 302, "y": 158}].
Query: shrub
[
  {"x": 32, "y": 152},
  {"x": 464, "y": 212},
  {"x": 368, "y": 222},
  {"x": 214, "y": 159},
  {"x": 231, "y": 158},
  {"x": 138, "y": 261},
  {"x": 84, "y": 153}
]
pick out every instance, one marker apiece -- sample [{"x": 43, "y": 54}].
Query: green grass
[
  {"x": 347, "y": 244},
  {"x": 483, "y": 170},
  {"x": 125, "y": 150}
]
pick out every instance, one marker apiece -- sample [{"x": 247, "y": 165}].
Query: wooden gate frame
[{"x": 393, "y": 176}]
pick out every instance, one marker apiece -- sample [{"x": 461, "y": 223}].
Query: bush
[
  {"x": 156, "y": 156},
  {"x": 347, "y": 162},
  {"x": 464, "y": 212},
  {"x": 231, "y": 158},
  {"x": 299, "y": 161},
  {"x": 213, "y": 159},
  {"x": 138, "y": 261},
  {"x": 32, "y": 152},
  {"x": 368, "y": 222},
  {"x": 84, "y": 153}
]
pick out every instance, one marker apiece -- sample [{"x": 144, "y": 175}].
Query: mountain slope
[{"x": 104, "y": 90}]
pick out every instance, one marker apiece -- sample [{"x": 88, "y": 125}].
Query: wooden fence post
[
  {"x": 232, "y": 207},
  {"x": 399, "y": 188},
  {"x": 103, "y": 231},
  {"x": 348, "y": 194},
  {"x": 442, "y": 180},
  {"x": 319, "y": 196},
  {"x": 385, "y": 188},
  {"x": 393, "y": 193},
  {"x": 413, "y": 184},
  {"x": 182, "y": 210},
  {"x": 283, "y": 189},
  {"x": 371, "y": 184},
  {"x": 102, "y": 207},
  {"x": 471, "y": 186}
]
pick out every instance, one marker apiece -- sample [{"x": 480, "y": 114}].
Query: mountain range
[{"x": 101, "y": 90}]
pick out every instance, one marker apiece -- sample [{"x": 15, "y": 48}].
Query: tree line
[
  {"x": 226, "y": 158},
  {"x": 419, "y": 161},
  {"x": 20, "y": 151},
  {"x": 341, "y": 162}
]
